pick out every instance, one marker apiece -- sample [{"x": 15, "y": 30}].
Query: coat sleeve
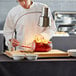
[
  {"x": 48, "y": 32},
  {"x": 8, "y": 28}
]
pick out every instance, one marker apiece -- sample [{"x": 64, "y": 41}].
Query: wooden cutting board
[{"x": 51, "y": 53}]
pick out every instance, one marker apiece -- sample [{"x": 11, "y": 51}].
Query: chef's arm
[
  {"x": 8, "y": 28},
  {"x": 49, "y": 31}
]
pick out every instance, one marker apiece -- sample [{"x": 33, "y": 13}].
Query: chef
[{"x": 24, "y": 19}]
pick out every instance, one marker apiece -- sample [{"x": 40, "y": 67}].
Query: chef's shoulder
[{"x": 14, "y": 10}]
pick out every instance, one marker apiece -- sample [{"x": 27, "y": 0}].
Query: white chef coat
[{"x": 25, "y": 21}]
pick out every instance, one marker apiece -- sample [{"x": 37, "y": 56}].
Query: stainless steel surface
[
  {"x": 65, "y": 28},
  {"x": 67, "y": 20}
]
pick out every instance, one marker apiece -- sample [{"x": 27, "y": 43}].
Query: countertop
[{"x": 4, "y": 58}]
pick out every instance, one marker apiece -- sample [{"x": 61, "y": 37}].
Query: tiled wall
[{"x": 55, "y": 5}]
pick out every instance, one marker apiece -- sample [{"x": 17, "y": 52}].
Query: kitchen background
[{"x": 62, "y": 43}]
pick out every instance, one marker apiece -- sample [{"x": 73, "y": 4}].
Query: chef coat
[{"x": 26, "y": 23}]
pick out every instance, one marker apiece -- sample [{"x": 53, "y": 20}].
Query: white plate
[
  {"x": 31, "y": 56},
  {"x": 18, "y": 57}
]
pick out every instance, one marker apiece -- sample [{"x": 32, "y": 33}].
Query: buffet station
[
  {"x": 41, "y": 48},
  {"x": 45, "y": 58}
]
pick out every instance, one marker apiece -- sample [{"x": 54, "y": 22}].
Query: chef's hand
[{"x": 14, "y": 42}]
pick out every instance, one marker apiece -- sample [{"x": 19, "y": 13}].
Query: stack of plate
[{"x": 72, "y": 52}]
